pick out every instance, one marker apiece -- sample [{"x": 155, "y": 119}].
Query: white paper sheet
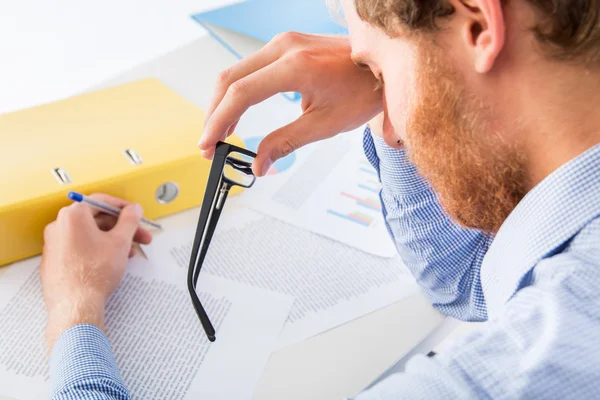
[
  {"x": 332, "y": 283},
  {"x": 328, "y": 188},
  {"x": 159, "y": 344}
]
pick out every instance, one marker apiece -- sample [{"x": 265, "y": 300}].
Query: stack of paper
[
  {"x": 331, "y": 283},
  {"x": 159, "y": 344}
]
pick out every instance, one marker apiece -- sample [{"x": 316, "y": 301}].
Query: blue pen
[{"x": 105, "y": 208}]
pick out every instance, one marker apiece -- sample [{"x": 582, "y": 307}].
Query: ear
[{"x": 483, "y": 30}]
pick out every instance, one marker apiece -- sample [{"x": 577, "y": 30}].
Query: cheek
[{"x": 398, "y": 91}]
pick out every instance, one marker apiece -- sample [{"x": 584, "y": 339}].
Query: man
[{"x": 493, "y": 101}]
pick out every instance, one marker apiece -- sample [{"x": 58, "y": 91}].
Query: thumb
[
  {"x": 280, "y": 143},
  {"x": 128, "y": 222}
]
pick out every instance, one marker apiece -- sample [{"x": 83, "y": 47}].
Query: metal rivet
[
  {"x": 62, "y": 176},
  {"x": 167, "y": 192},
  {"x": 133, "y": 157}
]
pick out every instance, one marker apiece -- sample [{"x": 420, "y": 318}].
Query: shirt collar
[{"x": 548, "y": 217}]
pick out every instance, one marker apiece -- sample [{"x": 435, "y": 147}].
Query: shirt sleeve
[
  {"x": 82, "y": 366},
  {"x": 543, "y": 346},
  {"x": 444, "y": 257}
]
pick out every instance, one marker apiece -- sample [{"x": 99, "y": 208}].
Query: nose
[{"x": 390, "y": 136}]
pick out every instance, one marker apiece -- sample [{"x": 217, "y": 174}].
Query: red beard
[{"x": 479, "y": 179}]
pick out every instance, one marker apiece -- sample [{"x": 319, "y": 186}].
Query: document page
[
  {"x": 330, "y": 189},
  {"x": 332, "y": 283},
  {"x": 160, "y": 347},
  {"x": 327, "y": 187}
]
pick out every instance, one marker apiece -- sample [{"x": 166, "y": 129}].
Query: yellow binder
[{"x": 135, "y": 141}]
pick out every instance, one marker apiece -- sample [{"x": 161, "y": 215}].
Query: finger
[
  {"x": 128, "y": 222},
  {"x": 209, "y": 154},
  {"x": 76, "y": 214},
  {"x": 270, "y": 53},
  {"x": 107, "y": 222},
  {"x": 308, "y": 128},
  {"x": 142, "y": 236},
  {"x": 131, "y": 252},
  {"x": 49, "y": 231},
  {"x": 246, "y": 92},
  {"x": 244, "y": 67},
  {"x": 232, "y": 128}
]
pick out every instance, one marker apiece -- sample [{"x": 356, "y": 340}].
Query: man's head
[{"x": 461, "y": 85}]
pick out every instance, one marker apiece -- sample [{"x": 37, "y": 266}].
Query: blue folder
[{"x": 264, "y": 19}]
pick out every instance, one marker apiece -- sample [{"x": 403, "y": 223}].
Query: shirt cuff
[
  {"x": 82, "y": 358},
  {"x": 397, "y": 174}
]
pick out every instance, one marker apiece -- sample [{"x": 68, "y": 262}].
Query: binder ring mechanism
[
  {"x": 62, "y": 176},
  {"x": 166, "y": 192}
]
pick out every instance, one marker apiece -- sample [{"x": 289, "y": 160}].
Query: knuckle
[
  {"x": 71, "y": 215},
  {"x": 224, "y": 76},
  {"x": 300, "y": 59},
  {"x": 130, "y": 218},
  {"x": 63, "y": 213},
  {"x": 305, "y": 56},
  {"x": 288, "y": 145},
  {"x": 280, "y": 38},
  {"x": 76, "y": 211},
  {"x": 287, "y": 39},
  {"x": 48, "y": 230},
  {"x": 238, "y": 88}
]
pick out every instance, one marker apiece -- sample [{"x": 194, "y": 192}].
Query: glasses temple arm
[{"x": 215, "y": 214}]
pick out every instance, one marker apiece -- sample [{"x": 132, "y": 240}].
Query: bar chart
[{"x": 359, "y": 203}]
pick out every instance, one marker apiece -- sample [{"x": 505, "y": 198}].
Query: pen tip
[{"x": 212, "y": 338}]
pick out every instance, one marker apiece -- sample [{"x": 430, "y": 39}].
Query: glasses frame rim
[{"x": 215, "y": 194}]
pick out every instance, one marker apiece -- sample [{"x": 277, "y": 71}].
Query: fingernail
[
  {"x": 201, "y": 142},
  {"x": 266, "y": 166},
  {"x": 138, "y": 210}
]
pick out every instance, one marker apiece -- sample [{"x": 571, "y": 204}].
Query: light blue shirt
[{"x": 537, "y": 282}]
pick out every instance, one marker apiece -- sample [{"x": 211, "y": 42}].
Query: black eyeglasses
[{"x": 231, "y": 166}]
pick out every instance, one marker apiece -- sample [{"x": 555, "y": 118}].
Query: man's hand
[
  {"x": 337, "y": 96},
  {"x": 83, "y": 262}
]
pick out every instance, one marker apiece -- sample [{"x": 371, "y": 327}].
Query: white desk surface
[
  {"x": 342, "y": 361},
  {"x": 53, "y": 49}
]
